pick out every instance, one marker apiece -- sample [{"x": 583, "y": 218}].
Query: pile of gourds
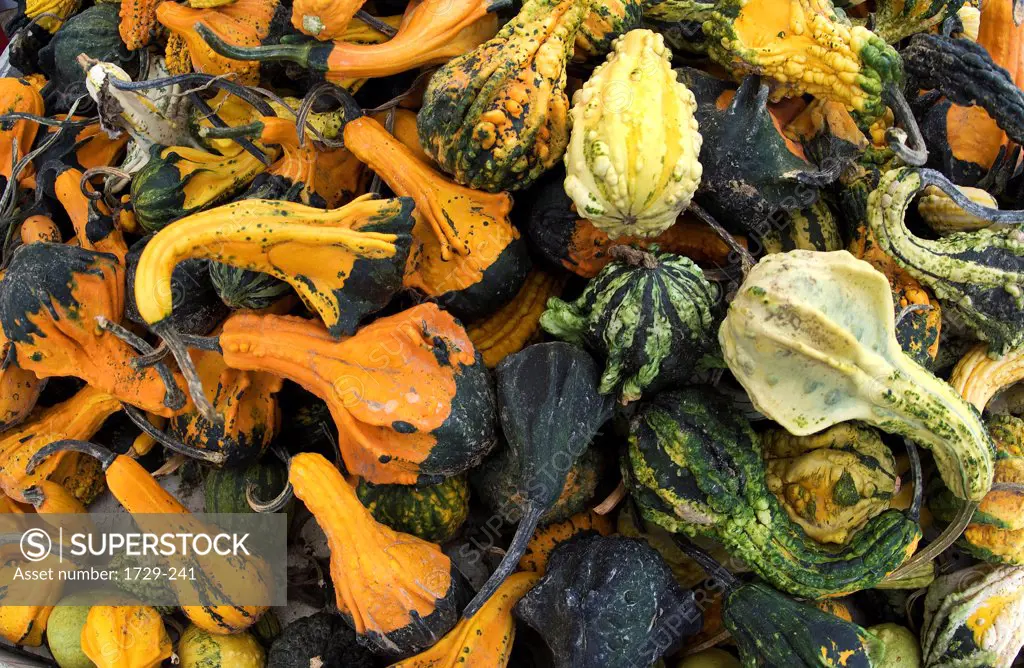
[{"x": 574, "y": 333}]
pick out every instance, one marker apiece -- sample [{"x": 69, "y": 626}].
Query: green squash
[
  {"x": 901, "y": 646},
  {"x": 321, "y": 639},
  {"x": 648, "y": 315},
  {"x": 199, "y": 649},
  {"x": 224, "y": 490},
  {"x": 241, "y": 288},
  {"x": 64, "y": 631},
  {"x": 694, "y": 467},
  {"x": 603, "y": 599},
  {"x": 432, "y": 512}
]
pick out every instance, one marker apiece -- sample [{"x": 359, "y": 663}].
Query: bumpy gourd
[
  {"x": 398, "y": 591},
  {"x": 629, "y": 172},
  {"x": 199, "y": 649},
  {"x": 946, "y": 217},
  {"x": 125, "y": 636},
  {"x": 649, "y": 315},
  {"x": 546, "y": 538},
  {"x": 810, "y": 337},
  {"x": 431, "y": 512},
  {"x": 895, "y": 20},
  {"x": 694, "y": 467},
  {"x": 972, "y": 618},
  {"x": 605, "y": 22},
  {"x": 496, "y": 118},
  {"x": 979, "y": 276},
  {"x": 61, "y": 9},
  {"x": 517, "y": 323},
  {"x": 830, "y": 483}
]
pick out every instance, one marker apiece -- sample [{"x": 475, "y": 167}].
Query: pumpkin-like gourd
[
  {"x": 517, "y": 323},
  {"x": 550, "y": 409},
  {"x": 125, "y": 636},
  {"x": 200, "y": 649},
  {"x": 64, "y": 630},
  {"x": 431, "y": 512},
  {"x": 496, "y": 118},
  {"x": 945, "y": 216},
  {"x": 830, "y": 483},
  {"x": 972, "y": 618},
  {"x": 322, "y": 639},
  {"x": 547, "y": 538},
  {"x": 398, "y": 591},
  {"x": 224, "y": 490},
  {"x": 648, "y": 315},
  {"x": 440, "y": 420},
  {"x": 977, "y": 275},
  {"x": 694, "y": 466},
  {"x": 810, "y": 336},
  {"x": 603, "y": 599},
  {"x": 627, "y": 172},
  {"x": 244, "y": 289}
]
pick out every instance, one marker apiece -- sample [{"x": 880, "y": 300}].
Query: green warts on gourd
[
  {"x": 810, "y": 336},
  {"x": 628, "y": 170}
]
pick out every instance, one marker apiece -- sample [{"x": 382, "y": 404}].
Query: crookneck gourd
[
  {"x": 628, "y": 172},
  {"x": 431, "y": 32},
  {"x": 344, "y": 263},
  {"x": 603, "y": 599},
  {"x": 398, "y": 591},
  {"x": 467, "y": 255},
  {"x": 972, "y": 618},
  {"x": 810, "y": 336},
  {"x": 694, "y": 467},
  {"x": 979, "y": 275},
  {"x": 19, "y": 389},
  {"x": 648, "y": 315},
  {"x": 125, "y": 636},
  {"x": 50, "y": 297},
  {"x": 206, "y": 599},
  {"x": 830, "y": 483},
  {"x": 550, "y": 410},
  {"x": 17, "y": 95},
  {"x": 431, "y": 512},
  {"x": 411, "y": 400},
  {"x": 496, "y": 118}
]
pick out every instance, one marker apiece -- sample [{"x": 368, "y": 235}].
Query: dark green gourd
[
  {"x": 648, "y": 315},
  {"x": 241, "y": 288},
  {"x": 550, "y": 410}
]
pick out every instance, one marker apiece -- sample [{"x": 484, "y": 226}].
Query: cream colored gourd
[
  {"x": 811, "y": 337},
  {"x": 632, "y": 163}
]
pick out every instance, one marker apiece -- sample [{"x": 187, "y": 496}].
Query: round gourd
[
  {"x": 630, "y": 171},
  {"x": 902, "y": 648},
  {"x": 199, "y": 649},
  {"x": 648, "y": 315},
  {"x": 241, "y": 288},
  {"x": 322, "y": 639},
  {"x": 432, "y": 512},
  {"x": 64, "y": 631},
  {"x": 224, "y": 490}
]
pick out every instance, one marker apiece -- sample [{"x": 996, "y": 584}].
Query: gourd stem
[
  {"x": 188, "y": 370},
  {"x": 746, "y": 259},
  {"x": 389, "y": 125},
  {"x": 249, "y": 130},
  {"x": 205, "y": 109},
  {"x": 172, "y": 444},
  {"x": 274, "y": 97},
  {"x": 210, "y": 343},
  {"x": 710, "y": 565},
  {"x": 376, "y": 23},
  {"x": 204, "y": 81},
  {"x": 33, "y": 495},
  {"x": 350, "y": 108},
  {"x": 941, "y": 542},
  {"x": 12, "y": 116},
  {"x": 909, "y": 603},
  {"x": 713, "y": 641},
  {"x": 104, "y": 456},
  {"x": 106, "y": 171},
  {"x": 174, "y": 398},
  {"x": 914, "y": 512},
  {"x": 300, "y": 54},
  {"x": 149, "y": 359},
  {"x": 634, "y": 257},
  {"x": 396, "y": 100},
  {"x": 527, "y": 525},
  {"x": 937, "y": 179},
  {"x": 612, "y": 500},
  {"x": 911, "y": 308},
  {"x": 274, "y": 505},
  {"x": 915, "y": 153}
]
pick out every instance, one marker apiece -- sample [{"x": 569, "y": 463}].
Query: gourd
[
  {"x": 224, "y": 490},
  {"x": 398, "y": 591},
  {"x": 243, "y": 23},
  {"x": 693, "y": 466},
  {"x": 431, "y": 32},
  {"x": 179, "y": 181},
  {"x": 64, "y": 630},
  {"x": 50, "y": 297},
  {"x": 830, "y": 483},
  {"x": 603, "y": 599},
  {"x": 138, "y": 22},
  {"x": 496, "y": 118},
  {"x": 17, "y": 95},
  {"x": 467, "y": 255},
  {"x": 94, "y": 228},
  {"x": 901, "y": 644},
  {"x": 128, "y": 636},
  {"x": 141, "y": 495},
  {"x": 431, "y": 512},
  {"x": 345, "y": 263},
  {"x": 606, "y": 22},
  {"x": 829, "y": 317},
  {"x": 547, "y": 538},
  {"x": 975, "y": 275},
  {"x": 26, "y": 624},
  {"x": 549, "y": 409},
  {"x": 945, "y": 217},
  {"x": 627, "y": 173},
  {"x": 19, "y": 390},
  {"x": 200, "y": 649},
  {"x": 895, "y": 20},
  {"x": 813, "y": 228},
  {"x": 324, "y": 19},
  {"x": 323, "y": 639},
  {"x": 971, "y": 617},
  {"x": 648, "y": 315},
  {"x": 60, "y": 9},
  {"x": 80, "y": 417},
  {"x": 996, "y": 530},
  {"x": 486, "y": 638},
  {"x": 244, "y": 289},
  {"x": 517, "y": 323},
  {"x": 752, "y": 173},
  {"x": 441, "y": 421}
]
